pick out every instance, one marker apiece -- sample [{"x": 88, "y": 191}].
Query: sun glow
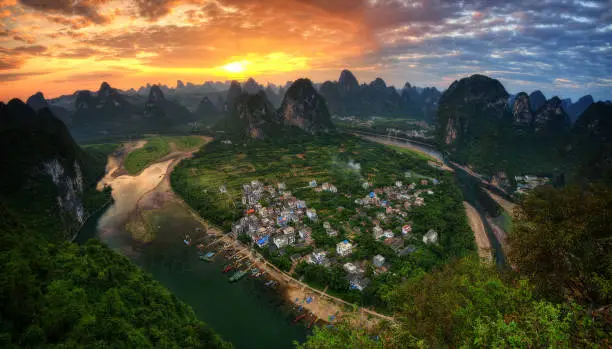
[{"x": 236, "y": 67}]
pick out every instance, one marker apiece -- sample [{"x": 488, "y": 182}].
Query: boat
[
  {"x": 227, "y": 268},
  {"x": 208, "y": 257},
  {"x": 237, "y": 275},
  {"x": 299, "y": 318}
]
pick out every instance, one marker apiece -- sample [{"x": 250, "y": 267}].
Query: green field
[
  {"x": 345, "y": 162},
  {"x": 156, "y": 148}
]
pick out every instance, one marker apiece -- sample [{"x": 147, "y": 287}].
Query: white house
[
  {"x": 378, "y": 232},
  {"x": 431, "y": 237},
  {"x": 350, "y": 268},
  {"x": 344, "y": 248},
  {"x": 378, "y": 260},
  {"x": 311, "y": 214},
  {"x": 317, "y": 257}
]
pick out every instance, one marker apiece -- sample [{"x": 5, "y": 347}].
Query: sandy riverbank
[
  {"x": 480, "y": 234},
  {"x": 505, "y": 204},
  {"x": 500, "y": 234}
]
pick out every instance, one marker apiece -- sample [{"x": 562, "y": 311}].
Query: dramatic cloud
[{"x": 563, "y": 47}]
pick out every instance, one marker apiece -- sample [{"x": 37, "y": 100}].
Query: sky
[{"x": 562, "y": 47}]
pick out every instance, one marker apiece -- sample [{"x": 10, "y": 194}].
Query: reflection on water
[{"x": 245, "y": 313}]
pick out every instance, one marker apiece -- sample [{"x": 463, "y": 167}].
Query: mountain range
[
  {"x": 480, "y": 125},
  {"x": 346, "y": 97}
]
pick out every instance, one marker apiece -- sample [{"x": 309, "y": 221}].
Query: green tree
[{"x": 562, "y": 238}]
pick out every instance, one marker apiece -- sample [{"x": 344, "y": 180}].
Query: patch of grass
[{"x": 158, "y": 147}]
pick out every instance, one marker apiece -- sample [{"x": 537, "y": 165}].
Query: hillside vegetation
[{"x": 156, "y": 148}]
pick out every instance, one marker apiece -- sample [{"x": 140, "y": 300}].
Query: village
[
  {"x": 526, "y": 183},
  {"x": 275, "y": 219}
]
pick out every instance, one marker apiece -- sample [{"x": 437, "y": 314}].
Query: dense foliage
[
  {"x": 66, "y": 296},
  {"x": 469, "y": 305},
  {"x": 562, "y": 239}
]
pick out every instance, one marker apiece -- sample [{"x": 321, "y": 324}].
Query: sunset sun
[{"x": 236, "y": 67}]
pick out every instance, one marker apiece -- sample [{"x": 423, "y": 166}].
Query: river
[{"x": 245, "y": 313}]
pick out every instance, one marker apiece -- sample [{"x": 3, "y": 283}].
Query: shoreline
[{"x": 480, "y": 235}]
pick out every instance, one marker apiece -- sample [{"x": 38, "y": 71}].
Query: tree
[{"x": 562, "y": 240}]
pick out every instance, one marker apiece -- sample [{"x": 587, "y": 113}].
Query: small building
[
  {"x": 332, "y": 233},
  {"x": 282, "y": 221},
  {"x": 325, "y": 186},
  {"x": 344, "y": 248},
  {"x": 430, "y": 192},
  {"x": 378, "y": 232},
  {"x": 311, "y": 214},
  {"x": 304, "y": 233},
  {"x": 406, "y": 229},
  {"x": 317, "y": 258},
  {"x": 326, "y": 225},
  {"x": 301, "y": 204},
  {"x": 419, "y": 201},
  {"x": 289, "y": 231},
  {"x": 350, "y": 268},
  {"x": 378, "y": 260},
  {"x": 365, "y": 185},
  {"x": 262, "y": 241},
  {"x": 424, "y": 182},
  {"x": 312, "y": 183},
  {"x": 431, "y": 237},
  {"x": 281, "y": 186},
  {"x": 358, "y": 283},
  {"x": 388, "y": 234},
  {"x": 398, "y": 184},
  {"x": 223, "y": 189}
]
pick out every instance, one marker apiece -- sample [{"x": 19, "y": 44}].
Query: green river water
[{"x": 246, "y": 313}]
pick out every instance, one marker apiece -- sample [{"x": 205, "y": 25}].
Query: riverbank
[
  {"x": 505, "y": 204},
  {"x": 480, "y": 234}
]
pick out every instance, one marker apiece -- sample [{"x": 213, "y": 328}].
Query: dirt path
[
  {"x": 505, "y": 204},
  {"x": 480, "y": 234}
]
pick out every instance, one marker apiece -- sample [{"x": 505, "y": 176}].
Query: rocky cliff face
[
  {"x": 40, "y": 157},
  {"x": 234, "y": 92},
  {"x": 305, "y": 108},
  {"x": 252, "y": 87},
  {"x": 207, "y": 109},
  {"x": 521, "y": 109},
  {"x": 347, "y": 84},
  {"x": 161, "y": 111},
  {"x": 551, "y": 114},
  {"x": 576, "y": 109},
  {"x": 591, "y": 148},
  {"x": 468, "y": 105},
  {"x": 537, "y": 99}
]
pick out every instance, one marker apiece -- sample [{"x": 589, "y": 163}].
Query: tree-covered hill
[{"x": 56, "y": 294}]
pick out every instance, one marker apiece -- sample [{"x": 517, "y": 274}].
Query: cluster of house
[
  {"x": 323, "y": 187},
  {"x": 280, "y": 223},
  {"x": 396, "y": 199},
  {"x": 423, "y": 134},
  {"x": 528, "y": 182}
]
